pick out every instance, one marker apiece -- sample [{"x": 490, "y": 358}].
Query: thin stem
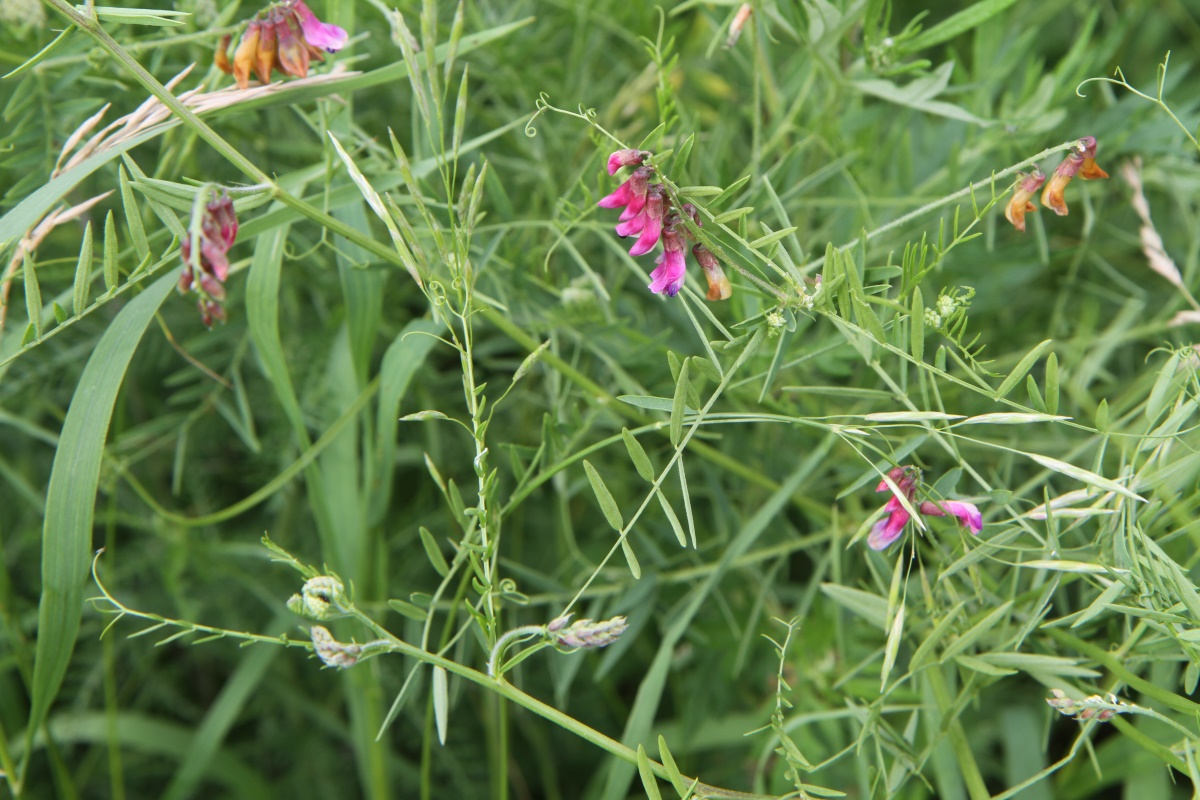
[
  {"x": 944, "y": 201},
  {"x": 504, "y": 641}
]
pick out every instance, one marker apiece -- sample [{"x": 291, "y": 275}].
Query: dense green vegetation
[{"x": 443, "y": 410}]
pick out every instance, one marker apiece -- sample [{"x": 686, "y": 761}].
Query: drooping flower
[
  {"x": 285, "y": 36},
  {"x": 668, "y": 277},
  {"x": 652, "y": 219},
  {"x": 212, "y": 232},
  {"x": 1021, "y": 201},
  {"x": 324, "y": 35},
  {"x": 967, "y": 513},
  {"x": 626, "y": 158},
  {"x": 719, "y": 287},
  {"x": 631, "y": 194},
  {"x": 1081, "y": 162},
  {"x": 906, "y": 480},
  {"x": 246, "y": 54}
]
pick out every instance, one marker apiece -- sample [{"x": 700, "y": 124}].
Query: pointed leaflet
[{"x": 71, "y": 496}]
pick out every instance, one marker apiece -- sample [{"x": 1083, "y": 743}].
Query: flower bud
[{"x": 332, "y": 652}]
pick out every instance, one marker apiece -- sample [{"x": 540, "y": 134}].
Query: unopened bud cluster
[
  {"x": 584, "y": 633},
  {"x": 332, "y": 652},
  {"x": 1093, "y": 707},
  {"x": 323, "y": 597}
]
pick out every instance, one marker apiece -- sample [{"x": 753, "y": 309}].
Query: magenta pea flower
[
  {"x": 668, "y": 277},
  {"x": 906, "y": 479},
  {"x": 626, "y": 158},
  {"x": 324, "y": 35},
  {"x": 649, "y": 221},
  {"x": 967, "y": 513},
  {"x": 631, "y": 194}
]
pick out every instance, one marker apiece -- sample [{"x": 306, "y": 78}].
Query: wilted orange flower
[
  {"x": 285, "y": 36},
  {"x": 1022, "y": 197},
  {"x": 1081, "y": 163}
]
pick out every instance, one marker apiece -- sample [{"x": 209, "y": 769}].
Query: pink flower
[
  {"x": 888, "y": 529},
  {"x": 205, "y": 271},
  {"x": 626, "y": 158},
  {"x": 719, "y": 287},
  {"x": 667, "y": 277},
  {"x": 631, "y": 193},
  {"x": 329, "y": 38},
  {"x": 967, "y": 513},
  {"x": 651, "y": 225}
]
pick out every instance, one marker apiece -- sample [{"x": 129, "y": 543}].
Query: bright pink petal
[
  {"x": 967, "y": 513},
  {"x": 633, "y": 225},
  {"x": 621, "y": 197},
  {"x": 624, "y": 158},
  {"x": 634, "y": 208},
  {"x": 329, "y": 38},
  {"x": 668, "y": 277},
  {"x": 888, "y": 529},
  {"x": 649, "y": 237}
]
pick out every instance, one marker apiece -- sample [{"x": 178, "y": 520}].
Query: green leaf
[
  {"x": 83, "y": 273},
  {"x": 111, "y": 277},
  {"x": 441, "y": 703},
  {"x": 672, "y": 518},
  {"x": 772, "y": 238},
  {"x": 1052, "y": 383},
  {"x": 728, "y": 192},
  {"x": 407, "y": 609},
  {"x": 631, "y": 558},
  {"x": 137, "y": 16},
  {"x": 956, "y": 24},
  {"x": 607, "y": 504},
  {"x": 668, "y": 762},
  {"x": 679, "y": 163},
  {"x": 895, "y": 637},
  {"x": 649, "y": 782},
  {"x": 1023, "y": 366},
  {"x": 133, "y": 217},
  {"x": 71, "y": 495},
  {"x": 637, "y": 454},
  {"x": 33, "y": 296},
  {"x": 434, "y": 552},
  {"x": 870, "y": 607},
  {"x": 977, "y": 631},
  {"x": 917, "y": 325},
  {"x": 42, "y": 54},
  {"x": 1083, "y": 475},
  {"x": 678, "y": 404}
]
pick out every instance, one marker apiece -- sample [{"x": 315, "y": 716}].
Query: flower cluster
[
  {"x": 648, "y": 214},
  {"x": 323, "y": 597},
  {"x": 212, "y": 232},
  {"x": 285, "y": 36},
  {"x": 1093, "y": 707},
  {"x": 1079, "y": 162},
  {"x": 906, "y": 480},
  {"x": 584, "y": 633}
]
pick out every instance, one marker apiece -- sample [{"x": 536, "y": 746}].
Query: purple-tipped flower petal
[
  {"x": 668, "y": 277},
  {"x": 626, "y": 158},
  {"x": 324, "y": 35},
  {"x": 888, "y": 529},
  {"x": 967, "y": 513}
]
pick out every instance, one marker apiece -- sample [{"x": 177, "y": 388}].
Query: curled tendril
[
  {"x": 439, "y": 293},
  {"x": 1120, "y": 80},
  {"x": 541, "y": 105},
  {"x": 588, "y": 115}
]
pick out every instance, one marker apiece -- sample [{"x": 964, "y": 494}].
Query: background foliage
[{"x": 917, "y": 672}]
